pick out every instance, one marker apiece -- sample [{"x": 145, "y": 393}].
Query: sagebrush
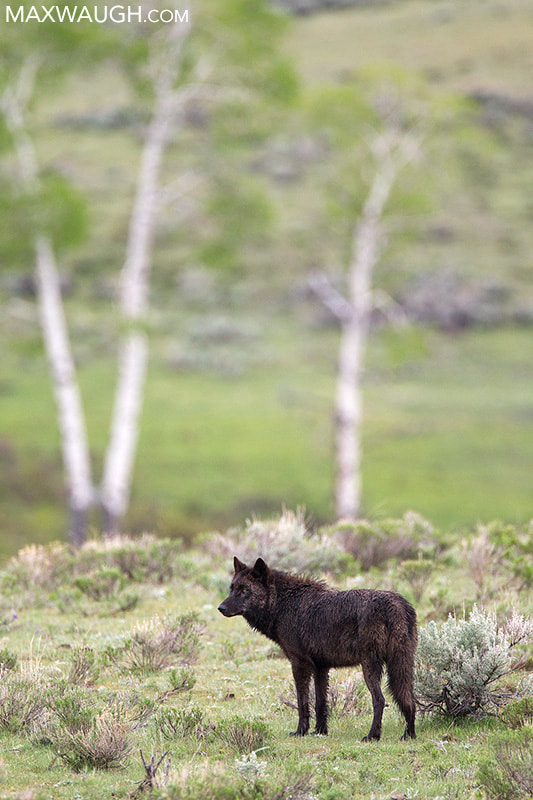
[{"x": 460, "y": 663}]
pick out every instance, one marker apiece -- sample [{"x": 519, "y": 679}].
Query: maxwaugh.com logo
[{"x": 118, "y": 14}]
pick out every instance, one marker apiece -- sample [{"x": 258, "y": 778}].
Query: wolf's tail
[{"x": 401, "y": 665}]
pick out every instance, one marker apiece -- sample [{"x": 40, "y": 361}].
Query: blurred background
[{"x": 265, "y": 161}]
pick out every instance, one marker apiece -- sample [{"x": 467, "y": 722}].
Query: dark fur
[{"x": 318, "y": 628}]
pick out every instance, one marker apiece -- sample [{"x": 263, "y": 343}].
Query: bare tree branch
[
  {"x": 150, "y": 780},
  {"x": 389, "y": 308},
  {"x": 180, "y": 190},
  {"x": 333, "y": 300}
]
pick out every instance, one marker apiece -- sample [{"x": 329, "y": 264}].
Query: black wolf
[{"x": 318, "y": 627}]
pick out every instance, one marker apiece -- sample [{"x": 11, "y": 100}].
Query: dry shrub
[
  {"x": 418, "y": 573},
  {"x": 144, "y": 559},
  {"x": 372, "y": 544},
  {"x": 286, "y": 542},
  {"x": 99, "y": 569},
  {"x": 24, "y": 699},
  {"x": 160, "y": 644},
  {"x": 105, "y": 743},
  {"x": 84, "y": 668},
  {"x": 38, "y": 566},
  {"x": 345, "y": 697},
  {"x": 183, "y": 723},
  {"x": 348, "y": 697},
  {"x": 483, "y": 559},
  {"x": 298, "y": 787},
  {"x": 241, "y": 734}
]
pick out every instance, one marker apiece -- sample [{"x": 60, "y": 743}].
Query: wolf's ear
[
  {"x": 260, "y": 570},
  {"x": 238, "y": 565}
]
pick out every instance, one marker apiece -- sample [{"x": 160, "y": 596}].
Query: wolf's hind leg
[
  {"x": 372, "y": 672},
  {"x": 321, "y": 700}
]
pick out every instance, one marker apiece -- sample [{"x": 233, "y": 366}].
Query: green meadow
[
  {"x": 447, "y": 432},
  {"x": 237, "y": 417}
]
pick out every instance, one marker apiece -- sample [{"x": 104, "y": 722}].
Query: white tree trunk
[
  {"x": 74, "y": 441},
  {"x": 133, "y": 296},
  {"x": 348, "y": 417},
  {"x": 354, "y": 333},
  {"x": 133, "y": 348},
  {"x": 120, "y": 456}
]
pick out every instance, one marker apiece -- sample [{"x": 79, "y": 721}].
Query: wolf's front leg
[{"x": 302, "y": 679}]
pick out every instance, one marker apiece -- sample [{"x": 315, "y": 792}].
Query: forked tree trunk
[
  {"x": 133, "y": 298},
  {"x": 73, "y": 434},
  {"x": 133, "y": 301},
  {"x": 74, "y": 441},
  {"x": 133, "y": 347}
]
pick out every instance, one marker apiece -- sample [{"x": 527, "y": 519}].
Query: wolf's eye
[{"x": 242, "y": 590}]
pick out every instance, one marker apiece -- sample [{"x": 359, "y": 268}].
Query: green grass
[
  {"x": 461, "y": 427},
  {"x": 447, "y": 431},
  {"x": 238, "y": 672}
]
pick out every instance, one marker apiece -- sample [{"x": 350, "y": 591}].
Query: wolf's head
[{"x": 248, "y": 590}]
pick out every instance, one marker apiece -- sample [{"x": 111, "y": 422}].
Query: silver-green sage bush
[{"x": 461, "y": 662}]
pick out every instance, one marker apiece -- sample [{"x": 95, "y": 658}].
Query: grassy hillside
[
  {"x": 458, "y": 46},
  {"x": 237, "y": 417}
]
